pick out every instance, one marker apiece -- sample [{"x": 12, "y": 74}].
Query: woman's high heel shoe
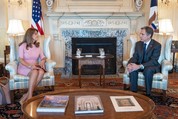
[
  {"x": 22, "y": 99},
  {"x": 21, "y": 102}
]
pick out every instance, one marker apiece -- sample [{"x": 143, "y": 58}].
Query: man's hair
[{"x": 149, "y": 30}]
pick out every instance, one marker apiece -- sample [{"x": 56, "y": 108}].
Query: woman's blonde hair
[{"x": 28, "y": 38}]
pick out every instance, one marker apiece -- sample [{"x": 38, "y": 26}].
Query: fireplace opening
[{"x": 92, "y": 45}]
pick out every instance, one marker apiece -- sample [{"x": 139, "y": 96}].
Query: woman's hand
[
  {"x": 35, "y": 66},
  {"x": 42, "y": 64}
]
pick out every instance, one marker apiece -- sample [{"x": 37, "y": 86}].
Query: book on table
[
  {"x": 53, "y": 103},
  {"x": 88, "y": 104},
  {"x": 125, "y": 104}
]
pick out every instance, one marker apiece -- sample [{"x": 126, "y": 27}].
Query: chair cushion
[
  {"x": 21, "y": 78},
  {"x": 156, "y": 77},
  {"x": 46, "y": 75}
]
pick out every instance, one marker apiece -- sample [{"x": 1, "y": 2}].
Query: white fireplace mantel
[
  {"x": 132, "y": 15},
  {"x": 59, "y": 21},
  {"x": 103, "y": 19}
]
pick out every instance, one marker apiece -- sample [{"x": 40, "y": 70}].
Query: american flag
[
  {"x": 37, "y": 18},
  {"x": 153, "y": 17}
]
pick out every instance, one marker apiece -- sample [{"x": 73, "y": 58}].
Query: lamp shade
[
  {"x": 165, "y": 26},
  {"x": 15, "y": 27}
]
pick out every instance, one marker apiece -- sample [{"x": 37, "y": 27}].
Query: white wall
[
  {"x": 3, "y": 27},
  {"x": 170, "y": 12}
]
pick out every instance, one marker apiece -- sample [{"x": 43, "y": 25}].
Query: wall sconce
[
  {"x": 165, "y": 26},
  {"x": 15, "y": 27},
  {"x": 16, "y": 2},
  {"x": 167, "y": 2}
]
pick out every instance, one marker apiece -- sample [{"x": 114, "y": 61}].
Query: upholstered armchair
[
  {"x": 160, "y": 80},
  {"x": 17, "y": 81}
]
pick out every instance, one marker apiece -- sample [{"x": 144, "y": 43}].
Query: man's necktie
[
  {"x": 144, "y": 52},
  {"x": 144, "y": 48}
]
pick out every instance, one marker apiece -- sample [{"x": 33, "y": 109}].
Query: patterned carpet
[{"x": 163, "y": 110}]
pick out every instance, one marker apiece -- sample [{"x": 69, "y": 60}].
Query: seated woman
[{"x": 29, "y": 53}]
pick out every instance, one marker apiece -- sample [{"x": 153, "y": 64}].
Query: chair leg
[
  {"x": 125, "y": 86},
  {"x": 52, "y": 88},
  {"x": 164, "y": 95},
  {"x": 47, "y": 87},
  {"x": 12, "y": 96}
]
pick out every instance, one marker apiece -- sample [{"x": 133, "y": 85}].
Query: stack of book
[{"x": 53, "y": 103}]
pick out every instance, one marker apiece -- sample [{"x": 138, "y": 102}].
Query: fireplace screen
[{"x": 92, "y": 45}]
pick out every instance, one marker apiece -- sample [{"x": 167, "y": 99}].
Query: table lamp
[
  {"x": 15, "y": 27},
  {"x": 165, "y": 26}
]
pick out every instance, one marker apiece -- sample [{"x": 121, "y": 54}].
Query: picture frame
[{"x": 125, "y": 104}]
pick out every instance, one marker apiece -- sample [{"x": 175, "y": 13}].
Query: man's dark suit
[{"x": 149, "y": 61}]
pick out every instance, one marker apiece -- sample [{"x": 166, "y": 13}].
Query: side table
[
  {"x": 1, "y": 69},
  {"x": 95, "y": 59},
  {"x": 92, "y": 61},
  {"x": 174, "y": 50},
  {"x": 6, "y": 52}
]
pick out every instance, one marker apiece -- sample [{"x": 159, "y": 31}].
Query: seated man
[{"x": 145, "y": 59}]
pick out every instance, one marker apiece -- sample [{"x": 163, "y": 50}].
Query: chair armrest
[
  {"x": 50, "y": 65},
  {"x": 166, "y": 66},
  {"x": 125, "y": 62},
  {"x": 12, "y": 68}
]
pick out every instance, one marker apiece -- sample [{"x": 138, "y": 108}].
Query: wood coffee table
[{"x": 29, "y": 107}]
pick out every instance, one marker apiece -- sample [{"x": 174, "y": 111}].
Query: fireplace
[
  {"x": 69, "y": 34},
  {"x": 72, "y": 19},
  {"x": 92, "y": 45}
]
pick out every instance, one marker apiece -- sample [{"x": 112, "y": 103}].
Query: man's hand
[{"x": 132, "y": 67}]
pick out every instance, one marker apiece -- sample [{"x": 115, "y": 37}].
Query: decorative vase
[
  {"x": 79, "y": 51},
  {"x": 138, "y": 4},
  {"x": 49, "y": 4}
]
